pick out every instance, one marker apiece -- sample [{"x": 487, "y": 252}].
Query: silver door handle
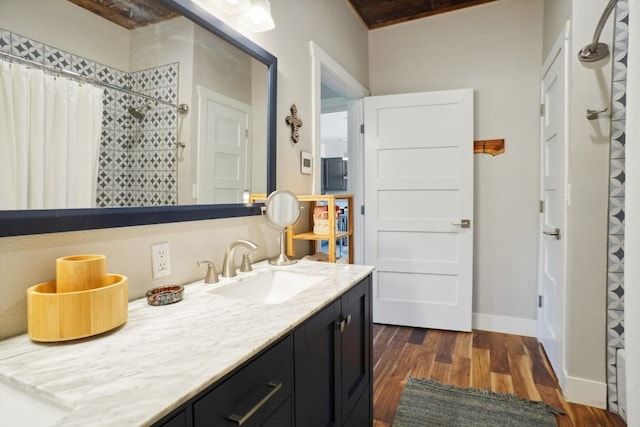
[
  {"x": 464, "y": 223},
  {"x": 555, "y": 232}
]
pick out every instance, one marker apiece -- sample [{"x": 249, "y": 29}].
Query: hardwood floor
[{"x": 486, "y": 360}]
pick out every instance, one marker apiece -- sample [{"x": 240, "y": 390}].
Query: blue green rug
[{"x": 426, "y": 402}]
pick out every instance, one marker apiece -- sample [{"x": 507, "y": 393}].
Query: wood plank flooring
[{"x": 486, "y": 360}]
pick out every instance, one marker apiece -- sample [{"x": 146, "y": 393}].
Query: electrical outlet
[{"x": 160, "y": 261}]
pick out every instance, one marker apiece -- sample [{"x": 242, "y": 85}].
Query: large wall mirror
[{"x": 129, "y": 112}]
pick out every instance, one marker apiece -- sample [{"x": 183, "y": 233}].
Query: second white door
[
  {"x": 419, "y": 207},
  {"x": 223, "y": 149},
  {"x": 553, "y": 239}
]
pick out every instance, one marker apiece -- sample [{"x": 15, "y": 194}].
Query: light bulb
[
  {"x": 258, "y": 18},
  {"x": 257, "y": 15}
]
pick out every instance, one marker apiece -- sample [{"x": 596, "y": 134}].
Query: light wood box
[{"x": 54, "y": 316}]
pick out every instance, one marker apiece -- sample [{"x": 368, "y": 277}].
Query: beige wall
[
  {"x": 590, "y": 87},
  {"x": 496, "y": 49},
  {"x": 556, "y": 14},
  {"x": 102, "y": 41},
  {"x": 27, "y": 260},
  {"x": 333, "y": 26}
]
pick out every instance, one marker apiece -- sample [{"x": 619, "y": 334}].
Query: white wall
[
  {"x": 28, "y": 260},
  {"x": 496, "y": 49}
]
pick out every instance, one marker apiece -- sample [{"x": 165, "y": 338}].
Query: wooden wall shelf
[{"x": 489, "y": 146}]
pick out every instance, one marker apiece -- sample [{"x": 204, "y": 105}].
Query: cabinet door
[
  {"x": 356, "y": 346},
  {"x": 317, "y": 388}
]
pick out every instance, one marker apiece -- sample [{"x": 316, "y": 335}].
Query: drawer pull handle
[
  {"x": 241, "y": 419},
  {"x": 344, "y": 323}
]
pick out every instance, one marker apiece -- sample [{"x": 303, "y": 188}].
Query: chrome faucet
[{"x": 228, "y": 266}]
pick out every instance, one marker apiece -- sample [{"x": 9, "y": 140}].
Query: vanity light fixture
[{"x": 258, "y": 18}]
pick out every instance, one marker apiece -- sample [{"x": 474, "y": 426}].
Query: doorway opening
[
  {"x": 337, "y": 94},
  {"x": 334, "y": 158}
]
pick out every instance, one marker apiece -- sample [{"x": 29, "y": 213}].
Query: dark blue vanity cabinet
[{"x": 318, "y": 375}]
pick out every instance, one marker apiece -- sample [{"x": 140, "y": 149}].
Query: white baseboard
[
  {"x": 585, "y": 392},
  {"x": 504, "y": 324}
]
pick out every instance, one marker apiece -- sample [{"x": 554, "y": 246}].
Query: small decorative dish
[{"x": 164, "y": 295}]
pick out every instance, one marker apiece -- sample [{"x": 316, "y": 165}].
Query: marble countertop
[{"x": 163, "y": 356}]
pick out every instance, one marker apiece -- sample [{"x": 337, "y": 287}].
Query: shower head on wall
[
  {"x": 595, "y": 51},
  {"x": 138, "y": 113}
]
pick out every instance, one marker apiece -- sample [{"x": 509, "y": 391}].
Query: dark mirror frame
[{"x": 22, "y": 222}]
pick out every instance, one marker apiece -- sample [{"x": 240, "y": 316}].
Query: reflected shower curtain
[{"x": 49, "y": 140}]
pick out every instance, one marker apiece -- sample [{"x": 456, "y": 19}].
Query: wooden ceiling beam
[
  {"x": 382, "y": 13},
  {"x": 129, "y": 14}
]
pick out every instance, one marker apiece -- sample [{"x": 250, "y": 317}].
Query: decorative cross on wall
[{"x": 295, "y": 123}]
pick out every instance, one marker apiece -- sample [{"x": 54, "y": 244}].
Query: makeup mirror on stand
[{"x": 282, "y": 210}]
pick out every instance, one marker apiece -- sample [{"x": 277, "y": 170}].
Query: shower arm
[
  {"x": 603, "y": 19},
  {"x": 596, "y": 51}
]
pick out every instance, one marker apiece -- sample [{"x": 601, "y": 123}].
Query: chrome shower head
[
  {"x": 138, "y": 113},
  {"x": 596, "y": 51}
]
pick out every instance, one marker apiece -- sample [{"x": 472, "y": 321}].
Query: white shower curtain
[{"x": 49, "y": 140}]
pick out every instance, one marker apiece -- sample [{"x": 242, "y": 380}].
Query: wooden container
[
  {"x": 80, "y": 272},
  {"x": 55, "y": 316}
]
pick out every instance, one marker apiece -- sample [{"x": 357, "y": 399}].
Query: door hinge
[
  {"x": 361, "y": 209},
  {"x": 246, "y": 133},
  {"x": 541, "y": 206},
  {"x": 541, "y": 110},
  {"x": 540, "y": 301},
  {"x": 362, "y": 128}
]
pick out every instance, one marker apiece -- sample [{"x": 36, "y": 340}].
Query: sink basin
[
  {"x": 269, "y": 287},
  {"x": 18, "y": 407}
]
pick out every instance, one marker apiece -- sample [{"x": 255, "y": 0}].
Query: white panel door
[
  {"x": 552, "y": 245},
  {"x": 418, "y": 192},
  {"x": 223, "y": 152}
]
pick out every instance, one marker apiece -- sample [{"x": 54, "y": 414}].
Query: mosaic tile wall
[
  {"x": 615, "y": 263},
  {"x": 137, "y": 165},
  {"x": 140, "y": 155}
]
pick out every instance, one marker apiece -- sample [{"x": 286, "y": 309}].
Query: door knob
[{"x": 555, "y": 232}]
